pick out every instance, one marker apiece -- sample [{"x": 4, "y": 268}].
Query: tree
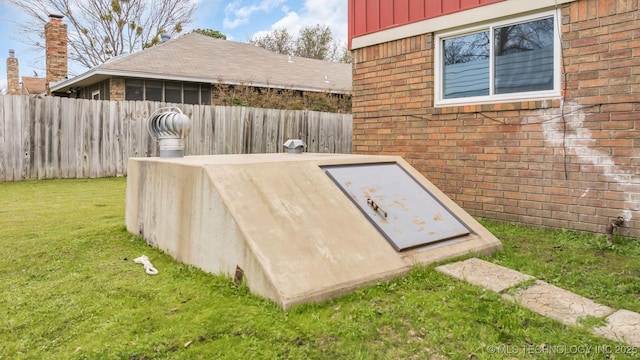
[
  {"x": 508, "y": 39},
  {"x": 279, "y": 40},
  {"x": 213, "y": 33},
  {"x": 344, "y": 54},
  {"x": 102, "y": 29},
  {"x": 524, "y": 36},
  {"x": 315, "y": 42}
]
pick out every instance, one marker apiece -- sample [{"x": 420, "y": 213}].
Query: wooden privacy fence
[{"x": 53, "y": 137}]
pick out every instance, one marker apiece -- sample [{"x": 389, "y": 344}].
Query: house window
[
  {"x": 191, "y": 93},
  {"x": 205, "y": 94},
  {"x": 173, "y": 92},
  {"x": 153, "y": 90},
  {"x": 104, "y": 90},
  {"x": 510, "y": 60},
  {"x": 95, "y": 95},
  {"x": 168, "y": 91},
  {"x": 133, "y": 89}
]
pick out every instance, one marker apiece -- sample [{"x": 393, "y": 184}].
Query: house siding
[
  {"x": 369, "y": 16},
  {"x": 569, "y": 163}
]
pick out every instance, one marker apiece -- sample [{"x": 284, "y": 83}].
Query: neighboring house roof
[
  {"x": 199, "y": 58},
  {"x": 33, "y": 85}
]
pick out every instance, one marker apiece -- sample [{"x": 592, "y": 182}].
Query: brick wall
[
  {"x": 569, "y": 163},
  {"x": 116, "y": 89},
  {"x": 55, "y": 33},
  {"x": 13, "y": 74}
]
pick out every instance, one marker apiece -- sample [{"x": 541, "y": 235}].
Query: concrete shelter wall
[
  {"x": 171, "y": 206},
  {"x": 280, "y": 218}
]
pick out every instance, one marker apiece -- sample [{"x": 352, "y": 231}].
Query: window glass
[
  {"x": 191, "y": 93},
  {"x": 173, "y": 92},
  {"x": 153, "y": 90},
  {"x": 133, "y": 89},
  {"x": 502, "y": 61},
  {"x": 104, "y": 90},
  {"x": 205, "y": 94},
  {"x": 524, "y": 57},
  {"x": 466, "y": 66}
]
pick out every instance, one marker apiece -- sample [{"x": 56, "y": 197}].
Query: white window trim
[
  {"x": 498, "y": 98},
  {"x": 94, "y": 93}
]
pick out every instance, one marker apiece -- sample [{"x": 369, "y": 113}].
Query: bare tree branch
[
  {"x": 102, "y": 29},
  {"x": 314, "y": 42}
]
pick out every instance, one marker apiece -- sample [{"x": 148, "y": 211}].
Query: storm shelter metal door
[{"x": 401, "y": 208}]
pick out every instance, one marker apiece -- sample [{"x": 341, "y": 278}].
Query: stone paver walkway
[
  {"x": 546, "y": 299},
  {"x": 485, "y": 274},
  {"x": 623, "y": 326},
  {"x": 557, "y": 303}
]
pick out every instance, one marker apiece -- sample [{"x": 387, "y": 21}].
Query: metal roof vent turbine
[
  {"x": 294, "y": 146},
  {"x": 169, "y": 126}
]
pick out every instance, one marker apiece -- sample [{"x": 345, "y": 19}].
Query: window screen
[
  {"x": 133, "y": 89},
  {"x": 153, "y": 90},
  {"x": 205, "y": 94},
  {"x": 191, "y": 93},
  {"x": 466, "y": 65},
  {"x": 172, "y": 92},
  {"x": 524, "y": 57}
]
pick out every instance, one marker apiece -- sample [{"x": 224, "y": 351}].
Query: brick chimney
[
  {"x": 13, "y": 74},
  {"x": 55, "y": 35}
]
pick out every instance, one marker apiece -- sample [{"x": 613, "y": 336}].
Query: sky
[{"x": 239, "y": 20}]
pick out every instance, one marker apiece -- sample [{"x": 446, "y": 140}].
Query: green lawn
[{"x": 70, "y": 290}]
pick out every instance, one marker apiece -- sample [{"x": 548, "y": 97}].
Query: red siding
[
  {"x": 369, "y": 16},
  {"x": 401, "y": 11},
  {"x": 358, "y": 6},
  {"x": 386, "y": 13},
  {"x": 433, "y": 8},
  {"x": 450, "y": 6},
  {"x": 416, "y": 10},
  {"x": 467, "y": 4},
  {"x": 372, "y": 13}
]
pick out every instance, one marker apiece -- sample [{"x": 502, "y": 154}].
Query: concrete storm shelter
[{"x": 298, "y": 227}]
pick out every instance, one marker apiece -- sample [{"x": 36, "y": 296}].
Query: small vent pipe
[{"x": 294, "y": 146}]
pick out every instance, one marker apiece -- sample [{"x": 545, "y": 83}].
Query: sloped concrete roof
[
  {"x": 282, "y": 222},
  {"x": 199, "y": 58}
]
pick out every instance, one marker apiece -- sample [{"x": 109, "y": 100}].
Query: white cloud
[
  {"x": 332, "y": 13},
  {"x": 3, "y": 86},
  {"x": 236, "y": 15}
]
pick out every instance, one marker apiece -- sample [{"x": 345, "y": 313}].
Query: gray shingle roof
[{"x": 200, "y": 58}]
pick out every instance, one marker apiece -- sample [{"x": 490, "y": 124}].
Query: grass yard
[{"x": 70, "y": 290}]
